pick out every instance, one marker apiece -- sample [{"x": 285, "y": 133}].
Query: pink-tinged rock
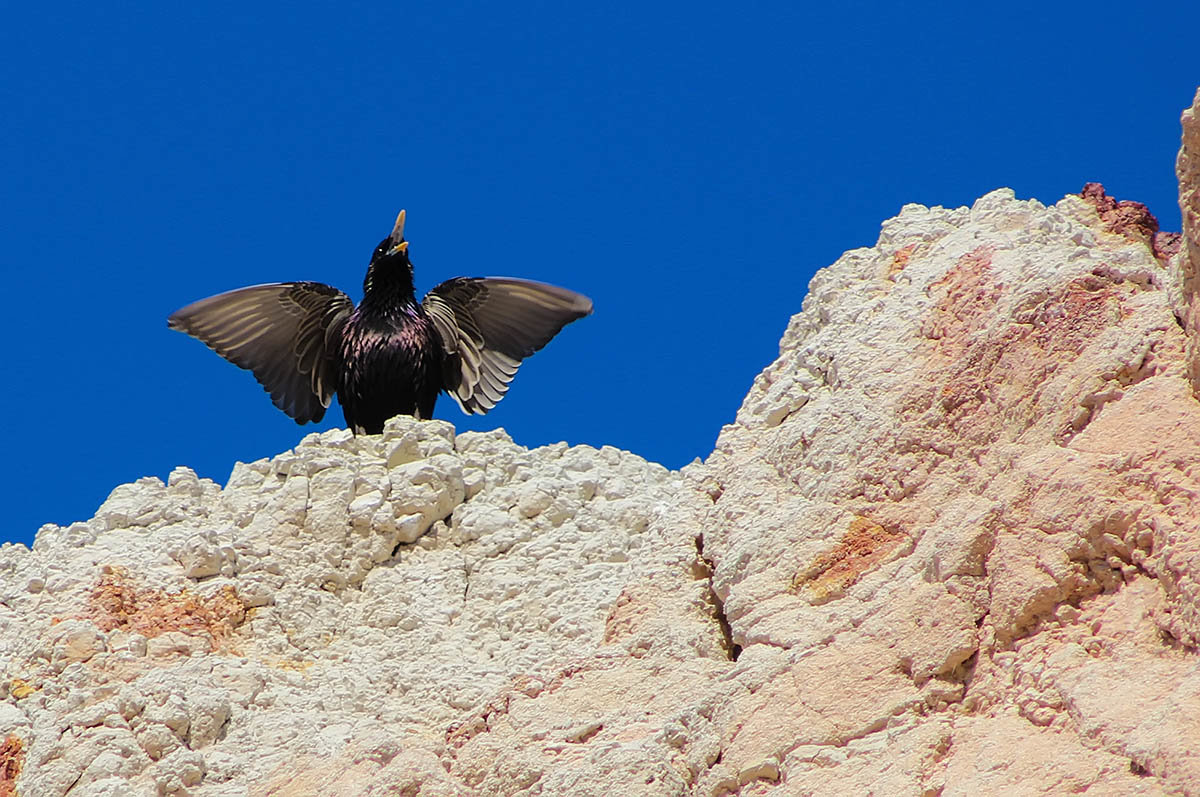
[
  {"x": 969, "y": 474},
  {"x": 1187, "y": 169}
]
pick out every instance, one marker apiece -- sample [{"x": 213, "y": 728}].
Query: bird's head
[
  {"x": 390, "y": 269},
  {"x": 394, "y": 246}
]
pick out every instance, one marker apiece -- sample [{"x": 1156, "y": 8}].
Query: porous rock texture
[{"x": 949, "y": 546}]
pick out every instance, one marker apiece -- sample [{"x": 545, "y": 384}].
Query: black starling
[{"x": 305, "y": 341}]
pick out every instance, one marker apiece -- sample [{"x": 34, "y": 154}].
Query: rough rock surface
[
  {"x": 949, "y": 546},
  {"x": 1187, "y": 169}
]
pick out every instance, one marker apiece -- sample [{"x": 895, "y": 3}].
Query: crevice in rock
[
  {"x": 1145, "y": 368},
  {"x": 771, "y": 775},
  {"x": 466, "y": 582},
  {"x": 965, "y": 673},
  {"x": 1102, "y": 569},
  {"x": 1175, "y": 643},
  {"x": 706, "y": 569},
  {"x": 1090, "y": 407},
  {"x": 732, "y": 785},
  {"x": 586, "y": 733},
  {"x": 402, "y": 545},
  {"x": 878, "y": 726},
  {"x": 1143, "y": 280},
  {"x": 223, "y": 731},
  {"x": 1112, "y": 392},
  {"x": 307, "y": 504},
  {"x": 74, "y": 783},
  {"x": 938, "y": 766}
]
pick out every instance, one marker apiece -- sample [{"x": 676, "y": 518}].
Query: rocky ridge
[{"x": 948, "y": 546}]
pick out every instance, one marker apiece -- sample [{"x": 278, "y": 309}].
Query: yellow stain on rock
[{"x": 20, "y": 689}]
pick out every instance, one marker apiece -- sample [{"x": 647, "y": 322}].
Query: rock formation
[{"x": 949, "y": 546}]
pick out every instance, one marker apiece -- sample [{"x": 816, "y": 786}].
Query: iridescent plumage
[{"x": 391, "y": 355}]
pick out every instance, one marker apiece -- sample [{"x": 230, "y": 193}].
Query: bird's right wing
[
  {"x": 286, "y": 333},
  {"x": 487, "y": 325}
]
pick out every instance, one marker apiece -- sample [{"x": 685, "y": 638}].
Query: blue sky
[{"x": 688, "y": 166}]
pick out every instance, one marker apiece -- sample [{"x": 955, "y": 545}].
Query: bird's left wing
[
  {"x": 487, "y": 325},
  {"x": 286, "y": 333}
]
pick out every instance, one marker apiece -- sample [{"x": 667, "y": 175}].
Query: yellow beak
[
  {"x": 399, "y": 245},
  {"x": 398, "y": 230}
]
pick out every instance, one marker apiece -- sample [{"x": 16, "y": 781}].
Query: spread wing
[
  {"x": 487, "y": 325},
  {"x": 286, "y": 333}
]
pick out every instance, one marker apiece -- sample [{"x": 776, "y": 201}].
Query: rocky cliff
[{"x": 949, "y": 546}]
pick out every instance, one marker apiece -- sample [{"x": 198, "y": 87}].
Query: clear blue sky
[{"x": 689, "y": 166}]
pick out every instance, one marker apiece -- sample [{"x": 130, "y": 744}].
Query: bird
[{"x": 390, "y": 355}]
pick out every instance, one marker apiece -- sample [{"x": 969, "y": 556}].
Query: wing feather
[
  {"x": 285, "y": 333},
  {"x": 488, "y": 325}
]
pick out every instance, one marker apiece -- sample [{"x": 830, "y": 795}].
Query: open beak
[{"x": 397, "y": 236}]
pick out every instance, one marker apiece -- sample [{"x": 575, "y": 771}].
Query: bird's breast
[{"x": 380, "y": 351}]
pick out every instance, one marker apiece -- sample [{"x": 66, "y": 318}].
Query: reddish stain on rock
[
  {"x": 482, "y": 720},
  {"x": 116, "y": 603},
  {"x": 1167, "y": 244},
  {"x": 865, "y": 545},
  {"x": 901, "y": 258},
  {"x": 622, "y": 618},
  {"x": 968, "y": 296},
  {"x": 1068, "y": 322},
  {"x": 12, "y": 759},
  {"x": 1131, "y": 219},
  {"x": 984, "y": 366}
]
